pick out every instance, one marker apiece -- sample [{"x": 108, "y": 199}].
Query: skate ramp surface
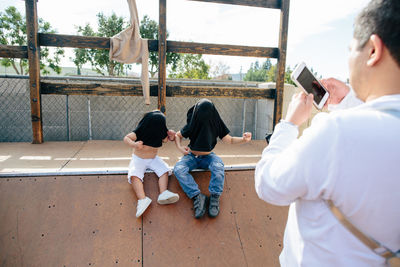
[{"x": 90, "y": 221}]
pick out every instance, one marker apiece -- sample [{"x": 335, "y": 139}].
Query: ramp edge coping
[{"x": 114, "y": 172}]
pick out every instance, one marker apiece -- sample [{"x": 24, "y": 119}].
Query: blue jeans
[{"x": 189, "y": 162}]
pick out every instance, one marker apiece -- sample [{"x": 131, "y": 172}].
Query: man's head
[{"x": 375, "y": 49}]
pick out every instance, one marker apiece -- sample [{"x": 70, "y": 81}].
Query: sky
[{"x": 319, "y": 31}]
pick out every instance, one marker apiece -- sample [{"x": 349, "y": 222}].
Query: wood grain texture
[
  {"x": 256, "y": 3},
  {"x": 162, "y": 56},
  {"x": 222, "y": 49},
  {"x": 13, "y": 51},
  {"x": 123, "y": 89},
  {"x": 280, "y": 81},
  {"x": 34, "y": 70},
  {"x": 62, "y": 40},
  {"x": 59, "y": 40}
]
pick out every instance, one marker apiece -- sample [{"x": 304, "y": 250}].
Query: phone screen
[{"x": 311, "y": 85}]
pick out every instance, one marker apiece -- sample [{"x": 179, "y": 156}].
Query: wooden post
[
  {"x": 162, "y": 56},
  {"x": 34, "y": 70},
  {"x": 280, "y": 80}
]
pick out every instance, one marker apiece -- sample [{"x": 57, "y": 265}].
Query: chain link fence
[
  {"x": 81, "y": 118},
  {"x": 15, "y": 111}
]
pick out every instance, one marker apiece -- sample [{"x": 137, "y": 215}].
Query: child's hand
[
  {"x": 139, "y": 145},
  {"x": 185, "y": 150},
  {"x": 171, "y": 135},
  {"x": 247, "y": 136}
]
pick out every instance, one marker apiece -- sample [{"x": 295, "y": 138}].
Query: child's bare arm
[
  {"x": 183, "y": 149},
  {"x": 170, "y": 136},
  {"x": 227, "y": 139},
  {"x": 130, "y": 140}
]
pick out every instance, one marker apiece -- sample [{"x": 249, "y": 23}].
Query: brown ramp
[
  {"x": 68, "y": 221},
  {"x": 247, "y": 232},
  {"x": 90, "y": 221}
]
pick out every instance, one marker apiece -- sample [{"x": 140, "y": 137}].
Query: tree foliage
[
  {"x": 191, "y": 66},
  {"x": 13, "y": 32},
  {"x": 220, "y": 71},
  {"x": 266, "y": 72},
  {"x": 149, "y": 30},
  {"x": 108, "y": 27},
  {"x": 99, "y": 58}
]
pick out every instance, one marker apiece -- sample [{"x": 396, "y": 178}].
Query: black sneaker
[
  {"x": 213, "y": 208},
  {"x": 199, "y": 205}
]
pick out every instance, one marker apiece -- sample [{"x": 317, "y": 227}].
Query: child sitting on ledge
[
  {"x": 204, "y": 126},
  {"x": 145, "y": 140}
]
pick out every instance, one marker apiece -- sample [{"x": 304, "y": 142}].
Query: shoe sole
[
  {"x": 140, "y": 214},
  {"x": 212, "y": 216},
  {"x": 168, "y": 200}
]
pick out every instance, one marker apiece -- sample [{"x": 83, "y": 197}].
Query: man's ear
[{"x": 376, "y": 50}]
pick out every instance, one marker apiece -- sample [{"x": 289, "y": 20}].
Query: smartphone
[{"x": 303, "y": 78}]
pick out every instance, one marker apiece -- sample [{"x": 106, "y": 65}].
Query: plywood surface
[{"x": 90, "y": 221}]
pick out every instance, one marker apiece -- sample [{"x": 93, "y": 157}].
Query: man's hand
[
  {"x": 247, "y": 136},
  {"x": 299, "y": 109},
  {"x": 337, "y": 90}
]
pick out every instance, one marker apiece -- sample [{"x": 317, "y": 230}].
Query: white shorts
[{"x": 138, "y": 166}]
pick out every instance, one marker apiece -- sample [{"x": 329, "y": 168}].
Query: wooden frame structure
[{"x": 35, "y": 40}]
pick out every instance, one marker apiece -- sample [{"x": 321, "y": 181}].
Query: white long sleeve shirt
[{"x": 350, "y": 156}]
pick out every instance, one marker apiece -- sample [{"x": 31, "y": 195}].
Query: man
[{"x": 350, "y": 156}]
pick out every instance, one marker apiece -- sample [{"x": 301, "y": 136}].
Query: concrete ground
[{"x": 104, "y": 157}]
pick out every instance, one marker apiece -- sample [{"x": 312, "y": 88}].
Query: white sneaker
[
  {"x": 142, "y": 206},
  {"x": 167, "y": 197}
]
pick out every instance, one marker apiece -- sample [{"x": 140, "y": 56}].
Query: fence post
[
  {"x": 162, "y": 55},
  {"x": 34, "y": 70},
  {"x": 280, "y": 75}
]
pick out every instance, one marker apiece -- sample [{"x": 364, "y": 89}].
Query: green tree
[
  {"x": 13, "y": 32},
  {"x": 266, "y": 73},
  {"x": 191, "y": 66},
  {"x": 149, "y": 30},
  {"x": 258, "y": 73},
  {"x": 99, "y": 58}
]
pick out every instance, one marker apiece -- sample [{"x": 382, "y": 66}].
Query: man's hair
[{"x": 380, "y": 17}]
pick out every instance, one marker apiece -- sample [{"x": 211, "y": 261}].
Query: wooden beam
[
  {"x": 58, "y": 40},
  {"x": 11, "y": 51},
  {"x": 220, "y": 49},
  {"x": 34, "y": 70},
  {"x": 256, "y": 3},
  {"x": 95, "y": 88},
  {"x": 162, "y": 55},
  {"x": 225, "y": 92},
  {"x": 280, "y": 80},
  {"x": 123, "y": 89}
]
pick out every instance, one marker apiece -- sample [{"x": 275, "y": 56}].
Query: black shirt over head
[
  {"x": 203, "y": 126},
  {"x": 152, "y": 129}
]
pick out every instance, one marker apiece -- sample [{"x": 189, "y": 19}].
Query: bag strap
[{"x": 369, "y": 242}]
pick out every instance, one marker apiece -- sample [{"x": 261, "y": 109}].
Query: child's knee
[
  {"x": 181, "y": 169},
  {"x": 132, "y": 179},
  {"x": 217, "y": 165}
]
